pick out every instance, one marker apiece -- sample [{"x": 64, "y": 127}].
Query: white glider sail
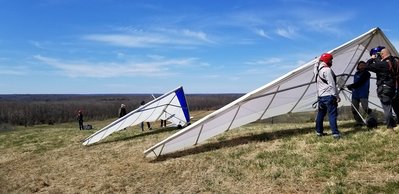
[
  {"x": 292, "y": 92},
  {"x": 171, "y": 106}
]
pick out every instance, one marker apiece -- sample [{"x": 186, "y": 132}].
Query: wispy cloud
[
  {"x": 262, "y": 33},
  {"x": 265, "y": 61},
  {"x": 128, "y": 40},
  {"x": 17, "y": 70},
  {"x": 156, "y": 38},
  {"x": 274, "y": 66},
  {"x": 117, "y": 85},
  {"x": 37, "y": 44},
  {"x": 130, "y": 68},
  {"x": 287, "y": 32},
  {"x": 317, "y": 20},
  {"x": 330, "y": 25},
  {"x": 197, "y": 35},
  {"x": 294, "y": 23}
]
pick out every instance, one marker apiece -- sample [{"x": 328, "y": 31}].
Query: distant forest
[{"x": 59, "y": 108}]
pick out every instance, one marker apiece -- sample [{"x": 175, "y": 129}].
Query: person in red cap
[{"x": 327, "y": 95}]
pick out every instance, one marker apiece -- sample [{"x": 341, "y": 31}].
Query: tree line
[{"x": 30, "y": 110}]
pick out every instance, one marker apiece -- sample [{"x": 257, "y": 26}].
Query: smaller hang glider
[{"x": 171, "y": 106}]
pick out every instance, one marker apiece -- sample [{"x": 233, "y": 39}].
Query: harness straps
[
  {"x": 323, "y": 80},
  {"x": 318, "y": 75}
]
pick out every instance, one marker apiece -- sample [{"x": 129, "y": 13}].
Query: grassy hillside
[{"x": 256, "y": 158}]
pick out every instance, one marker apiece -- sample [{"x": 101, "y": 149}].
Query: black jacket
[
  {"x": 122, "y": 112},
  {"x": 382, "y": 70}
]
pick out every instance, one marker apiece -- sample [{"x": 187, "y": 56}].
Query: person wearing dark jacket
[
  {"x": 379, "y": 64},
  {"x": 79, "y": 117},
  {"x": 122, "y": 111},
  {"x": 393, "y": 62},
  {"x": 360, "y": 92}
]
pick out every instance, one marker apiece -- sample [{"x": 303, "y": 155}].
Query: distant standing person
[
  {"x": 148, "y": 123},
  {"x": 122, "y": 111},
  {"x": 79, "y": 117},
  {"x": 163, "y": 123}
]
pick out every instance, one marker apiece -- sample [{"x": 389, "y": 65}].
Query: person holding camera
[
  {"x": 327, "y": 95},
  {"x": 383, "y": 65}
]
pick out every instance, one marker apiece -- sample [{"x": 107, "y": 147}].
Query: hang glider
[
  {"x": 292, "y": 92},
  {"x": 171, "y": 106}
]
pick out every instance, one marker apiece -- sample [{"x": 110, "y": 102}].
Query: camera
[{"x": 378, "y": 57}]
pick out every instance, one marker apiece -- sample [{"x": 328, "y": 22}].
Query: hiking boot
[
  {"x": 321, "y": 134},
  {"x": 336, "y": 136}
]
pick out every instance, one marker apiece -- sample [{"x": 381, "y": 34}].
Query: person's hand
[
  {"x": 373, "y": 56},
  {"x": 350, "y": 87},
  {"x": 338, "y": 99},
  {"x": 335, "y": 101}
]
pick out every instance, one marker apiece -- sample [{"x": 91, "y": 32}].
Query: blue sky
[{"x": 149, "y": 46}]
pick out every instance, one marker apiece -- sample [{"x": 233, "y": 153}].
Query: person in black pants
[
  {"x": 163, "y": 123},
  {"x": 360, "y": 92},
  {"x": 122, "y": 111},
  {"x": 386, "y": 84},
  {"x": 79, "y": 117},
  {"x": 148, "y": 123}
]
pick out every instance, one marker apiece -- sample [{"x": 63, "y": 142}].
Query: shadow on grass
[
  {"x": 144, "y": 133},
  {"x": 262, "y": 137},
  {"x": 356, "y": 129}
]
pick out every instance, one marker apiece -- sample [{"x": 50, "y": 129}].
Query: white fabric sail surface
[
  {"x": 292, "y": 92},
  {"x": 171, "y": 106}
]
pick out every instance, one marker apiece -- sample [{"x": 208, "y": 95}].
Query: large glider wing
[
  {"x": 171, "y": 106},
  {"x": 292, "y": 92}
]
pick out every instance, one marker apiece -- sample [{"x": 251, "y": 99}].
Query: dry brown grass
[{"x": 257, "y": 158}]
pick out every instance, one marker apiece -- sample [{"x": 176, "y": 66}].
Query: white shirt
[{"x": 327, "y": 74}]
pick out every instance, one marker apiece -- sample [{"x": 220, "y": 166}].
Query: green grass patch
[{"x": 256, "y": 158}]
